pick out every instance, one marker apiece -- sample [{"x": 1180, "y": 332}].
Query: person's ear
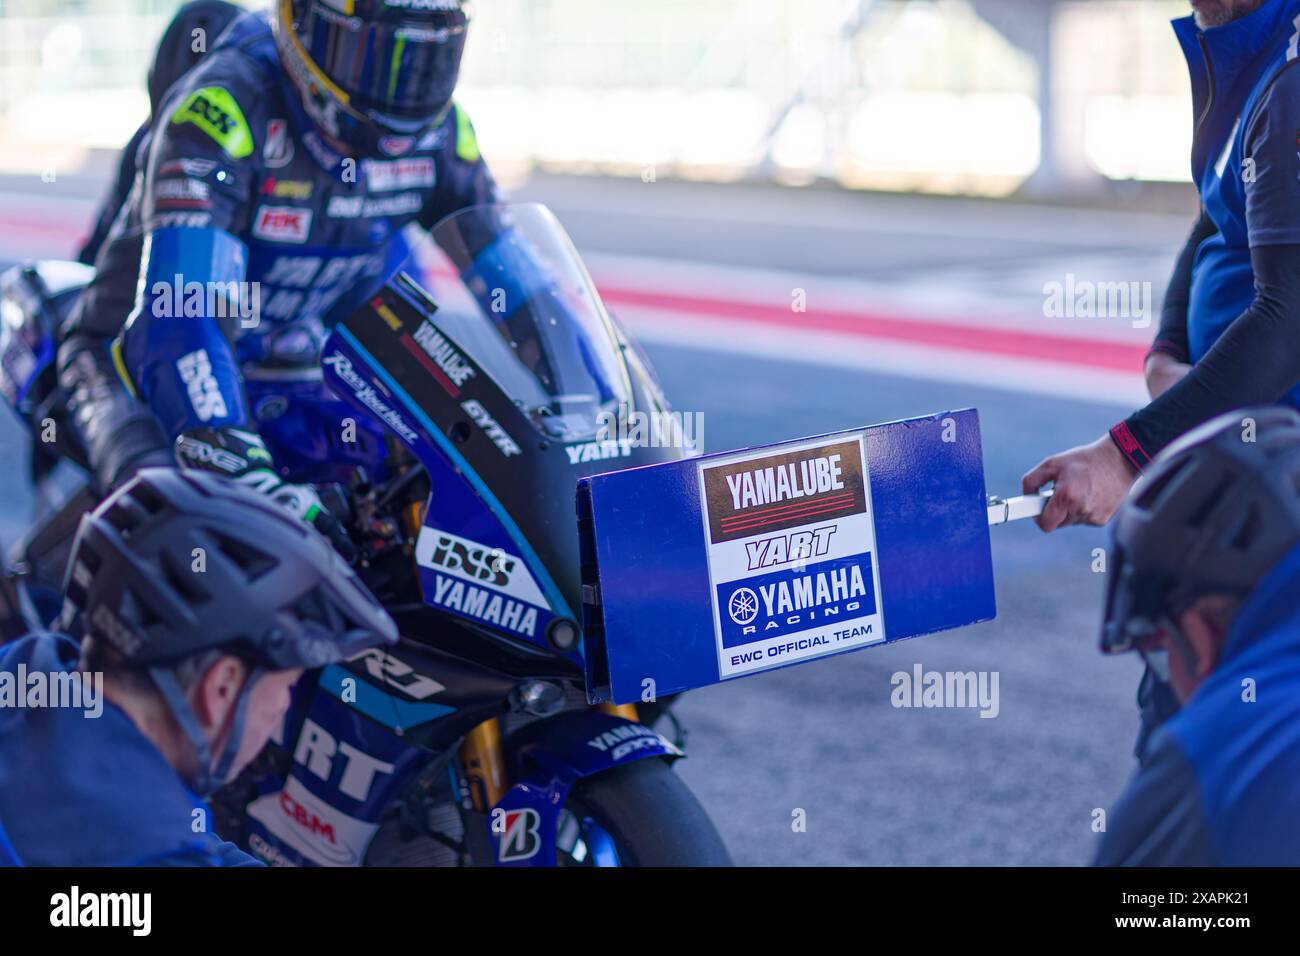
[
  {"x": 217, "y": 690},
  {"x": 1205, "y": 627}
]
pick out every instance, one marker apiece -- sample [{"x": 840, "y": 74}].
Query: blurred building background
[{"x": 1053, "y": 98}]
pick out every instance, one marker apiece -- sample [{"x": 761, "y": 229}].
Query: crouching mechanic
[
  {"x": 278, "y": 177},
  {"x": 202, "y": 604},
  {"x": 1205, "y": 571}
]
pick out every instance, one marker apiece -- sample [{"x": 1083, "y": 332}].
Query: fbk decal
[
  {"x": 282, "y": 224},
  {"x": 520, "y": 840},
  {"x": 791, "y": 545}
]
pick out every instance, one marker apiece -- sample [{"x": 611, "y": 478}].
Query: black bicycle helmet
[
  {"x": 178, "y": 562},
  {"x": 1216, "y": 511}
]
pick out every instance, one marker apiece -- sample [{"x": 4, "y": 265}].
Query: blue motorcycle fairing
[
  {"x": 312, "y": 434},
  {"x": 546, "y": 759},
  {"x": 461, "y": 516}
]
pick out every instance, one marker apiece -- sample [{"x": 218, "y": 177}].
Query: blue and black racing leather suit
[{"x": 238, "y": 186}]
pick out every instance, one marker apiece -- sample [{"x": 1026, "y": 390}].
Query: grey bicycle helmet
[
  {"x": 175, "y": 563},
  {"x": 1218, "y": 508}
]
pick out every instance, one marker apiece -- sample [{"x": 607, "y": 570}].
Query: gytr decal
[
  {"x": 484, "y": 420},
  {"x": 520, "y": 841},
  {"x": 786, "y": 601},
  {"x": 783, "y": 491}
]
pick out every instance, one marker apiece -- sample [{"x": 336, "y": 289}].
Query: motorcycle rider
[
  {"x": 203, "y": 603},
  {"x": 1205, "y": 569},
  {"x": 280, "y": 172}
]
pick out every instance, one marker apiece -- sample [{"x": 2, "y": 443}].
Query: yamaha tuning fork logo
[{"x": 792, "y": 563}]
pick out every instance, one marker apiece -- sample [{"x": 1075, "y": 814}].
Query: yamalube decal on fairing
[{"x": 791, "y": 555}]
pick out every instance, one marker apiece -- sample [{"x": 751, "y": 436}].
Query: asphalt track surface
[{"x": 876, "y": 784}]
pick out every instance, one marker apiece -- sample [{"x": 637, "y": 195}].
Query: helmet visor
[{"x": 401, "y": 71}]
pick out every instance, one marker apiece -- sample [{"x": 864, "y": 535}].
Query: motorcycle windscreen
[
  {"x": 516, "y": 381},
  {"x": 727, "y": 565}
]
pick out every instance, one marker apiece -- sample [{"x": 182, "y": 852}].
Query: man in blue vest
[
  {"x": 202, "y": 602},
  {"x": 1204, "y": 575},
  {"x": 1229, "y": 332}
]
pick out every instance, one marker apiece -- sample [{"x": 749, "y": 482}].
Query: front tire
[{"x": 638, "y": 814}]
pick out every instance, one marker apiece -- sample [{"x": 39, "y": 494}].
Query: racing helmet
[
  {"x": 1216, "y": 511},
  {"x": 374, "y": 75}
]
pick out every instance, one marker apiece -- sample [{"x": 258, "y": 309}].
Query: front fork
[{"x": 483, "y": 758}]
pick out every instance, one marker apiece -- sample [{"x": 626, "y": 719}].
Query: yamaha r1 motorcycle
[{"x": 449, "y": 439}]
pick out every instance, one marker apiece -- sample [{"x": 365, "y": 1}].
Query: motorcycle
[{"x": 448, "y": 437}]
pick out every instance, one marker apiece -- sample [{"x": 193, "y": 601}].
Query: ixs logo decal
[
  {"x": 519, "y": 839},
  {"x": 477, "y": 564},
  {"x": 776, "y": 604},
  {"x": 282, "y": 224},
  {"x": 205, "y": 396},
  {"x": 277, "y": 151},
  {"x": 782, "y": 491},
  {"x": 387, "y": 175},
  {"x": 484, "y": 420},
  {"x": 341, "y": 365},
  {"x": 597, "y": 450}
]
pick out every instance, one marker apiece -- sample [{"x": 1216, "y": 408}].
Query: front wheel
[{"x": 639, "y": 814}]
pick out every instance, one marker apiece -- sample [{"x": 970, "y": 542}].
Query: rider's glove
[{"x": 243, "y": 456}]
